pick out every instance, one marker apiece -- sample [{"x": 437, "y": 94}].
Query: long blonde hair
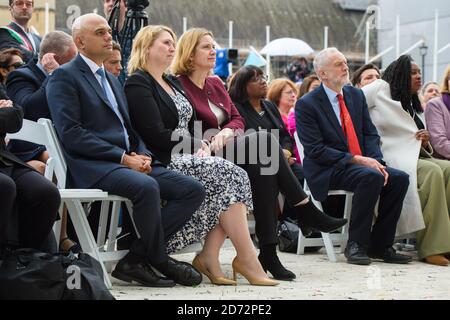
[
  {"x": 144, "y": 40},
  {"x": 182, "y": 64}
]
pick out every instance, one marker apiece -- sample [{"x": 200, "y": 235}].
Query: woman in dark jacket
[
  {"x": 195, "y": 58},
  {"x": 248, "y": 90},
  {"x": 164, "y": 117},
  {"x": 36, "y": 198}
]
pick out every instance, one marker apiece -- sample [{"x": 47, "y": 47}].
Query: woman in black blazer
[
  {"x": 36, "y": 198},
  {"x": 265, "y": 116},
  {"x": 249, "y": 97},
  {"x": 163, "y": 116}
]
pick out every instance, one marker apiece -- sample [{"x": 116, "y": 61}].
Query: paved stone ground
[{"x": 317, "y": 278}]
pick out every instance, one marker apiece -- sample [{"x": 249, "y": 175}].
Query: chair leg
[
  {"x": 85, "y": 235},
  {"x": 329, "y": 246},
  {"x": 104, "y": 215},
  {"x": 130, "y": 212},
  {"x": 57, "y": 225},
  {"x": 113, "y": 226},
  {"x": 300, "y": 242},
  {"x": 347, "y": 212}
]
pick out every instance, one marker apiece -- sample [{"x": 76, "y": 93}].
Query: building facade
[{"x": 416, "y": 23}]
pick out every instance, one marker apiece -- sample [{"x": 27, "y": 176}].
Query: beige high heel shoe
[
  {"x": 238, "y": 268},
  {"x": 221, "y": 281}
]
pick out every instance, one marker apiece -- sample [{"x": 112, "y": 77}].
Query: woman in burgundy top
[
  {"x": 162, "y": 115},
  {"x": 223, "y": 126}
]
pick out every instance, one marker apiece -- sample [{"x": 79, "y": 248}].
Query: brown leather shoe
[{"x": 438, "y": 260}]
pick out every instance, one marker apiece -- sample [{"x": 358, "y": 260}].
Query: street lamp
[{"x": 423, "y": 52}]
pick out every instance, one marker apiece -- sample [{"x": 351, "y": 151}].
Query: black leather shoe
[
  {"x": 180, "y": 272},
  {"x": 140, "y": 272},
  {"x": 356, "y": 254},
  {"x": 309, "y": 216},
  {"x": 389, "y": 255}
]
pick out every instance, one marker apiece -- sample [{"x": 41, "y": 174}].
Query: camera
[{"x": 137, "y": 5}]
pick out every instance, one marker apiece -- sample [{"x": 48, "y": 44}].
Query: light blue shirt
[
  {"x": 94, "y": 67},
  {"x": 332, "y": 96}
]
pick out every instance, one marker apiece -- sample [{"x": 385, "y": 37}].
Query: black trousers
[
  {"x": 367, "y": 185},
  {"x": 183, "y": 195},
  {"x": 29, "y": 206},
  {"x": 260, "y": 155},
  {"x": 289, "y": 210}
]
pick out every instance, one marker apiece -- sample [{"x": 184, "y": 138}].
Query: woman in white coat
[{"x": 396, "y": 111}]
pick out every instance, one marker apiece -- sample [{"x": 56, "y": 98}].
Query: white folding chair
[
  {"x": 329, "y": 240},
  {"x": 42, "y": 132}
]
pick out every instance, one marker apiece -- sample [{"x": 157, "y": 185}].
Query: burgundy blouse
[{"x": 215, "y": 92}]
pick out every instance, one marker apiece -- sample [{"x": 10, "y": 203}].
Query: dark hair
[
  {"x": 6, "y": 56},
  {"x": 306, "y": 84},
  {"x": 356, "y": 77},
  {"x": 116, "y": 46},
  {"x": 398, "y": 75},
  {"x": 238, "y": 84}
]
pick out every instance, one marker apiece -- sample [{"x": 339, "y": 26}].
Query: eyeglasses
[
  {"x": 260, "y": 78},
  {"x": 17, "y": 65},
  {"x": 290, "y": 92}
]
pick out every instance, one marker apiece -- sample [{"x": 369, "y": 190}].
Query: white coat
[{"x": 399, "y": 146}]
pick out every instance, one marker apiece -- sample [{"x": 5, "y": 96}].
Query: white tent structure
[{"x": 287, "y": 47}]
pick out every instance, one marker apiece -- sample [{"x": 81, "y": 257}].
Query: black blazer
[
  {"x": 2, "y": 90},
  {"x": 6, "y": 41},
  {"x": 10, "y": 122},
  {"x": 154, "y": 115},
  {"x": 253, "y": 121}
]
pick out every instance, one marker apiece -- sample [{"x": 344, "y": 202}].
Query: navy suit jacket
[
  {"x": 6, "y": 41},
  {"x": 326, "y": 148},
  {"x": 26, "y": 87},
  {"x": 91, "y": 133}
]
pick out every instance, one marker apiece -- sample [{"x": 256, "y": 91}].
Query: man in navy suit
[
  {"x": 90, "y": 112},
  {"x": 26, "y": 87},
  {"x": 342, "y": 151},
  {"x": 17, "y": 34}
]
